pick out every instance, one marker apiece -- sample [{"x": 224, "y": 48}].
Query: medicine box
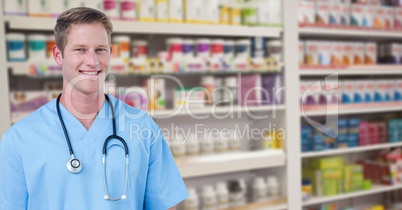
[
  {"x": 322, "y": 12},
  {"x": 156, "y": 91},
  {"x": 348, "y": 53},
  {"x": 344, "y": 14},
  {"x": 357, "y": 14},
  {"x": 359, "y": 93},
  {"x": 370, "y": 51},
  {"x": 379, "y": 17},
  {"x": 379, "y": 91},
  {"x": 189, "y": 97},
  {"x": 348, "y": 91},
  {"x": 312, "y": 53},
  {"x": 337, "y": 53},
  {"x": 324, "y": 49},
  {"x": 307, "y": 12},
  {"x": 389, "y": 17},
  {"x": 369, "y": 91},
  {"x": 398, "y": 18},
  {"x": 358, "y": 51},
  {"x": 368, "y": 17},
  {"x": 398, "y": 90},
  {"x": 334, "y": 13}
]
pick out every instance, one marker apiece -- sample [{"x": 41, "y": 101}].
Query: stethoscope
[{"x": 75, "y": 166}]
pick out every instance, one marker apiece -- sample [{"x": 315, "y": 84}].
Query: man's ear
[{"x": 58, "y": 57}]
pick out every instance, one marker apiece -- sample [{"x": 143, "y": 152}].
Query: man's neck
[{"x": 83, "y": 106}]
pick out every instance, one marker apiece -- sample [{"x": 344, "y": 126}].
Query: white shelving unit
[
  {"x": 229, "y": 162},
  {"x": 327, "y": 33},
  {"x": 351, "y": 109},
  {"x": 354, "y": 70},
  {"x": 351, "y": 150},
  {"x": 133, "y": 27},
  {"x": 374, "y": 190},
  {"x": 348, "y": 32}
]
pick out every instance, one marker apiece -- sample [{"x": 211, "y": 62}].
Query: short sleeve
[
  {"x": 165, "y": 186},
  {"x": 13, "y": 190}
]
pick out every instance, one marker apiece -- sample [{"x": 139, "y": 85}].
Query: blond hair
[{"x": 78, "y": 15}]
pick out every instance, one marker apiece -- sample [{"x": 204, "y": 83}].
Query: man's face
[{"x": 86, "y": 58}]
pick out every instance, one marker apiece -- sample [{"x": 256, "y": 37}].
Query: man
[{"x": 34, "y": 151}]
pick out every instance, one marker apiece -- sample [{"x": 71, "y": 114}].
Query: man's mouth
[{"x": 90, "y": 73}]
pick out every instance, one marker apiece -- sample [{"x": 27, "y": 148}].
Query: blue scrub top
[{"x": 34, "y": 154}]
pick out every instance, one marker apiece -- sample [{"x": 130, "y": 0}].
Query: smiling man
[{"x": 107, "y": 168}]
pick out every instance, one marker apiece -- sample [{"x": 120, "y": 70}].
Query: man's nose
[{"x": 91, "y": 58}]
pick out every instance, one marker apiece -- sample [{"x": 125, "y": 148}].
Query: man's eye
[
  {"x": 79, "y": 50},
  {"x": 101, "y": 50}
]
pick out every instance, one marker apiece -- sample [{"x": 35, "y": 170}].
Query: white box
[
  {"x": 348, "y": 91},
  {"x": 322, "y": 12},
  {"x": 369, "y": 91},
  {"x": 368, "y": 17},
  {"x": 14, "y": 7},
  {"x": 39, "y": 7},
  {"x": 312, "y": 53},
  {"x": 348, "y": 53},
  {"x": 157, "y": 95},
  {"x": 334, "y": 13},
  {"x": 389, "y": 17},
  {"x": 389, "y": 90},
  {"x": 193, "y": 97},
  {"x": 358, "y": 51},
  {"x": 398, "y": 90},
  {"x": 379, "y": 17},
  {"x": 357, "y": 14},
  {"x": 379, "y": 91},
  {"x": 398, "y": 17},
  {"x": 324, "y": 49},
  {"x": 57, "y": 8},
  {"x": 275, "y": 12},
  {"x": 337, "y": 53},
  {"x": 306, "y": 12},
  {"x": 370, "y": 51},
  {"x": 360, "y": 89},
  {"x": 345, "y": 14}
]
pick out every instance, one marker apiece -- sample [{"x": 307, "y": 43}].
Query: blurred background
[{"x": 265, "y": 104}]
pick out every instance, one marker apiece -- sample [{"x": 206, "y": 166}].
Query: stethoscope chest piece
[{"x": 74, "y": 165}]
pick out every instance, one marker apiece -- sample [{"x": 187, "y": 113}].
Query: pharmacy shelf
[
  {"x": 374, "y": 190},
  {"x": 357, "y": 32},
  {"x": 278, "y": 204},
  {"x": 22, "y": 69},
  {"x": 350, "y": 150},
  {"x": 136, "y": 27},
  {"x": 352, "y": 70},
  {"x": 211, "y": 111},
  {"x": 229, "y": 162},
  {"x": 312, "y": 111},
  {"x": 199, "y": 113}
]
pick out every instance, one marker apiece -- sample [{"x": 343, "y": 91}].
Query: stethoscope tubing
[{"x": 104, "y": 150}]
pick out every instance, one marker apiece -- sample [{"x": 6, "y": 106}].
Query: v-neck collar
[{"x": 77, "y": 131}]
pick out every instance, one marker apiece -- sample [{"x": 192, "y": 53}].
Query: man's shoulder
[{"x": 37, "y": 118}]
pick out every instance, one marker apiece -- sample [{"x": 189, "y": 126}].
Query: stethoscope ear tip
[
  {"x": 123, "y": 197},
  {"x": 106, "y": 197}
]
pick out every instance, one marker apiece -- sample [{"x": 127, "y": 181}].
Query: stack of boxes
[
  {"x": 386, "y": 169},
  {"x": 330, "y": 176},
  {"x": 352, "y": 132}
]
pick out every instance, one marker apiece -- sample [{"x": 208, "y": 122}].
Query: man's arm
[{"x": 173, "y": 208}]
